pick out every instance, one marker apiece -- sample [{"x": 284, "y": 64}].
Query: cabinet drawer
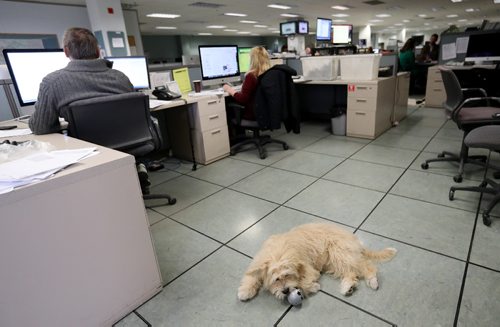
[
  {"x": 209, "y": 106},
  {"x": 361, "y": 103},
  {"x": 211, "y": 121},
  {"x": 362, "y": 90},
  {"x": 212, "y": 144},
  {"x": 361, "y": 123}
]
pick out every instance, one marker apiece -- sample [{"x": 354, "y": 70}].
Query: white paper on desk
[
  {"x": 15, "y": 132},
  {"x": 39, "y": 163},
  {"x": 159, "y": 78},
  {"x": 156, "y": 103},
  {"x": 449, "y": 51},
  {"x": 462, "y": 44}
]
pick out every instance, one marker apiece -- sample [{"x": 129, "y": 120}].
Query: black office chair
[
  {"x": 486, "y": 137},
  {"x": 468, "y": 113},
  {"x": 121, "y": 122},
  {"x": 274, "y": 103}
]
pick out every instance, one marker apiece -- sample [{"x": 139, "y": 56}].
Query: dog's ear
[{"x": 258, "y": 268}]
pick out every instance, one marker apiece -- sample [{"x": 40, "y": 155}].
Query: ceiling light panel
[
  {"x": 278, "y": 6},
  {"x": 166, "y": 27},
  {"x": 343, "y": 7},
  {"x": 248, "y": 21},
  {"x": 340, "y": 15},
  {"x": 290, "y": 15},
  {"x": 159, "y": 15},
  {"x": 235, "y": 14}
]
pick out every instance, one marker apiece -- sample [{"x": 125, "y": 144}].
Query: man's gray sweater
[{"x": 80, "y": 79}]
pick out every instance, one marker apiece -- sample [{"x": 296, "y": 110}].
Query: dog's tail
[{"x": 384, "y": 255}]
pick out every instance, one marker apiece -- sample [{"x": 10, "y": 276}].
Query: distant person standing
[{"x": 407, "y": 56}]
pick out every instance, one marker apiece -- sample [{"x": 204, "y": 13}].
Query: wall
[{"x": 36, "y": 18}]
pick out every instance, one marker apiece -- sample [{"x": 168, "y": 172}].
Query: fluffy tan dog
[{"x": 296, "y": 259}]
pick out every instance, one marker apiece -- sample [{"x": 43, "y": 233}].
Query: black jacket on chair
[{"x": 276, "y": 100}]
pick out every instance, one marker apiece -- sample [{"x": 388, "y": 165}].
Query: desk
[
  {"x": 205, "y": 128},
  {"x": 75, "y": 249},
  {"x": 370, "y": 105}
]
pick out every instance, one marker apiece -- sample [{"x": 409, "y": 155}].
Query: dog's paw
[
  {"x": 315, "y": 287},
  {"x": 245, "y": 294},
  {"x": 372, "y": 283},
  {"x": 347, "y": 288}
]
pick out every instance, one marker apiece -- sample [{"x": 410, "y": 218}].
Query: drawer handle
[
  {"x": 361, "y": 100},
  {"x": 213, "y": 117},
  {"x": 212, "y": 102},
  {"x": 436, "y": 89},
  {"x": 216, "y": 132},
  {"x": 362, "y": 87},
  {"x": 360, "y": 113}
]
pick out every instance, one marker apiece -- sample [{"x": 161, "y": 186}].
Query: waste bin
[{"x": 338, "y": 121}]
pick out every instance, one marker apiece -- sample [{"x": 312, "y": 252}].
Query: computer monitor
[
  {"x": 136, "y": 69},
  {"x": 288, "y": 28},
  {"x": 342, "y": 34},
  {"x": 303, "y": 27},
  {"x": 244, "y": 59},
  {"x": 219, "y": 64},
  {"x": 28, "y": 67},
  {"x": 419, "y": 39},
  {"x": 323, "y": 29},
  {"x": 483, "y": 47}
]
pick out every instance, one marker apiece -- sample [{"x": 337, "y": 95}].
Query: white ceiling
[{"x": 195, "y": 19}]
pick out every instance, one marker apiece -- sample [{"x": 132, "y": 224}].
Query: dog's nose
[{"x": 286, "y": 291}]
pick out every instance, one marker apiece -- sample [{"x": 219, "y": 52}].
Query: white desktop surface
[{"x": 76, "y": 249}]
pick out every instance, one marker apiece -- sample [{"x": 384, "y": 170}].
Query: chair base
[
  {"x": 482, "y": 188},
  {"x": 170, "y": 200},
  {"x": 461, "y": 159},
  {"x": 259, "y": 141}
]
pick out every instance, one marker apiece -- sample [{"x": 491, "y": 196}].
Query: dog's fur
[{"x": 297, "y": 258}]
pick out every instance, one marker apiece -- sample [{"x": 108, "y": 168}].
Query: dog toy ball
[{"x": 295, "y": 297}]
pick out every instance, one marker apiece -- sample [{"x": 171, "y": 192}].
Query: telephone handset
[{"x": 163, "y": 93}]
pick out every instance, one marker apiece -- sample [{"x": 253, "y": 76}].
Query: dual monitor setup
[
  {"x": 338, "y": 34},
  {"x": 27, "y": 67}
]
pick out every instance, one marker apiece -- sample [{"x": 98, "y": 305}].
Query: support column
[
  {"x": 108, "y": 25},
  {"x": 366, "y": 33}
]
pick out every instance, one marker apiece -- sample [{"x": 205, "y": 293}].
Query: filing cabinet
[{"x": 435, "y": 93}]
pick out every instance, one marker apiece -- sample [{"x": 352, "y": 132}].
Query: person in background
[
  {"x": 309, "y": 51},
  {"x": 284, "y": 48},
  {"x": 430, "y": 51},
  {"x": 259, "y": 64},
  {"x": 407, "y": 56},
  {"x": 86, "y": 76}
]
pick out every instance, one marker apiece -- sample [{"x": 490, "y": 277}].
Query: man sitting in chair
[{"x": 85, "y": 77}]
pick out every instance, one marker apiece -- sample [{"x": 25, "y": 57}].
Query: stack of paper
[{"x": 38, "y": 166}]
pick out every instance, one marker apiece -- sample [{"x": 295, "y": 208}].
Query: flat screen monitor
[
  {"x": 483, "y": 47},
  {"x": 323, "y": 29},
  {"x": 136, "y": 69},
  {"x": 342, "y": 34},
  {"x": 219, "y": 64},
  {"x": 244, "y": 59},
  {"x": 27, "y": 68},
  {"x": 288, "y": 28},
  {"x": 303, "y": 27}
]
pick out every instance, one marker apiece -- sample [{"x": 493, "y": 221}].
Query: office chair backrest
[
  {"x": 121, "y": 122},
  {"x": 454, "y": 94}
]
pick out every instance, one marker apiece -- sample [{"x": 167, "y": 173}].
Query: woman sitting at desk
[
  {"x": 407, "y": 56},
  {"x": 259, "y": 63}
]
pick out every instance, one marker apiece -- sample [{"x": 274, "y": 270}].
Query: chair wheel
[
  {"x": 441, "y": 155},
  {"x": 285, "y": 147},
  {"x": 232, "y": 152},
  {"x": 451, "y": 195},
  {"x": 457, "y": 178},
  {"x": 425, "y": 165},
  {"x": 262, "y": 156},
  {"x": 486, "y": 219},
  {"x": 172, "y": 201}
]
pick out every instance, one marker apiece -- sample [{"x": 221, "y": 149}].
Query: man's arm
[{"x": 45, "y": 119}]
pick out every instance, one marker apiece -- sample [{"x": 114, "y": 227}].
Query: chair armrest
[
  {"x": 237, "y": 110},
  {"x": 475, "y": 90}
]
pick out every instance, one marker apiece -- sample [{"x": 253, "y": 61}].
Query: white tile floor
[{"x": 447, "y": 270}]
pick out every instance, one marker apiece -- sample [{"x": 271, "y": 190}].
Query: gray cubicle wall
[{"x": 452, "y": 38}]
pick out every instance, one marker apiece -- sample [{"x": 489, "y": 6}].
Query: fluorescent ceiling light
[
  {"x": 422, "y": 15},
  {"x": 454, "y": 1},
  {"x": 244, "y": 32},
  {"x": 261, "y": 26},
  {"x": 235, "y": 14},
  {"x": 343, "y": 7},
  {"x": 398, "y": 24},
  {"x": 426, "y": 24},
  {"x": 290, "y": 15},
  {"x": 406, "y": 20},
  {"x": 166, "y": 27},
  {"x": 471, "y": 10},
  {"x": 204, "y": 33},
  {"x": 462, "y": 20},
  {"x": 158, "y": 15},
  {"x": 230, "y": 30},
  {"x": 275, "y": 31},
  {"x": 452, "y": 16},
  {"x": 216, "y": 26},
  {"x": 248, "y": 21},
  {"x": 375, "y": 20},
  {"x": 383, "y": 15},
  {"x": 340, "y": 15},
  {"x": 276, "y": 6},
  {"x": 338, "y": 20}
]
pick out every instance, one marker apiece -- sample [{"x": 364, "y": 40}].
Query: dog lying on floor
[{"x": 296, "y": 259}]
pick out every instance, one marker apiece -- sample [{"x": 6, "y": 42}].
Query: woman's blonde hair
[{"x": 259, "y": 60}]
